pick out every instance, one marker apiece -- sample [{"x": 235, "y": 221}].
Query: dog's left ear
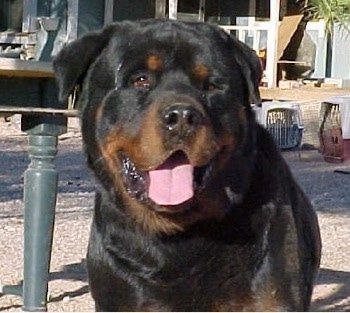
[
  {"x": 251, "y": 66},
  {"x": 72, "y": 62}
]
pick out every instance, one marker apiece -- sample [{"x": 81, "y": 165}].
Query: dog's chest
[
  {"x": 208, "y": 293},
  {"x": 220, "y": 281}
]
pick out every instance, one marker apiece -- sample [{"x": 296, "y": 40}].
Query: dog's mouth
[{"x": 171, "y": 184}]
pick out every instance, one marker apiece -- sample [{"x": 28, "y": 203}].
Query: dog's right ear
[
  {"x": 72, "y": 62},
  {"x": 251, "y": 69}
]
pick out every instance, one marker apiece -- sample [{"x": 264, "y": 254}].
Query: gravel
[{"x": 68, "y": 289}]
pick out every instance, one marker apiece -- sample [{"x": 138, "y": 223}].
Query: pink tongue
[{"x": 171, "y": 184}]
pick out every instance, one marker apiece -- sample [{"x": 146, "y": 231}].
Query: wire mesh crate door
[{"x": 284, "y": 125}]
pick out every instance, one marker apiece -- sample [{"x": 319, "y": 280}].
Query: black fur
[{"x": 248, "y": 239}]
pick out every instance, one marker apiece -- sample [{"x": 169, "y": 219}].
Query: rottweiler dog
[{"x": 195, "y": 208}]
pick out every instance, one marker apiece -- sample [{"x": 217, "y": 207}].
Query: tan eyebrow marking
[
  {"x": 201, "y": 72},
  {"x": 154, "y": 63}
]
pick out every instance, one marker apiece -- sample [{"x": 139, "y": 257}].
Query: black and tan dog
[{"x": 195, "y": 208}]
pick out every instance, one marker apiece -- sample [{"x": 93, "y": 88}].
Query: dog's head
[{"x": 166, "y": 117}]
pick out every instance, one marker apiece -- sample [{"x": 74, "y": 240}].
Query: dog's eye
[
  {"x": 214, "y": 84},
  {"x": 207, "y": 86},
  {"x": 141, "y": 81},
  {"x": 212, "y": 87}
]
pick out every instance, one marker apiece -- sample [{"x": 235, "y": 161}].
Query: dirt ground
[{"x": 68, "y": 289}]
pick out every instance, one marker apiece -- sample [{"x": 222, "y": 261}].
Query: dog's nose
[{"x": 181, "y": 119}]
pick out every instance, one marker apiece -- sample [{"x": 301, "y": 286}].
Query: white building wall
[{"x": 341, "y": 53}]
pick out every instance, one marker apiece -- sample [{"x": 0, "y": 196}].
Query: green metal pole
[{"x": 40, "y": 181}]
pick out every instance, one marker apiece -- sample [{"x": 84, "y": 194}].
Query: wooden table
[
  {"x": 29, "y": 88},
  {"x": 19, "y": 68}
]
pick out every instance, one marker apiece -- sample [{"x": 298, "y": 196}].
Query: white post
[
  {"x": 201, "y": 15},
  {"x": 160, "y": 8},
  {"x": 29, "y": 16},
  {"x": 251, "y": 17},
  {"x": 72, "y": 20},
  {"x": 272, "y": 44},
  {"x": 173, "y": 9},
  {"x": 108, "y": 14}
]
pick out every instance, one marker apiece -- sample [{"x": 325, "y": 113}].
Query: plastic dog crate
[
  {"x": 334, "y": 132},
  {"x": 283, "y": 121}
]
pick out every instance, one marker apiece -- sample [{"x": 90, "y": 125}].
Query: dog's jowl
[{"x": 195, "y": 209}]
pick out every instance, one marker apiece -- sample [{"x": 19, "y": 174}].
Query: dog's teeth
[{"x": 136, "y": 181}]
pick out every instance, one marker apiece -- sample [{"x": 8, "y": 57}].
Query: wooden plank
[
  {"x": 291, "y": 62},
  {"x": 301, "y": 94},
  {"x": 38, "y": 111},
  {"x": 287, "y": 28},
  {"x": 18, "y": 38},
  {"x": 19, "y": 68}
]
